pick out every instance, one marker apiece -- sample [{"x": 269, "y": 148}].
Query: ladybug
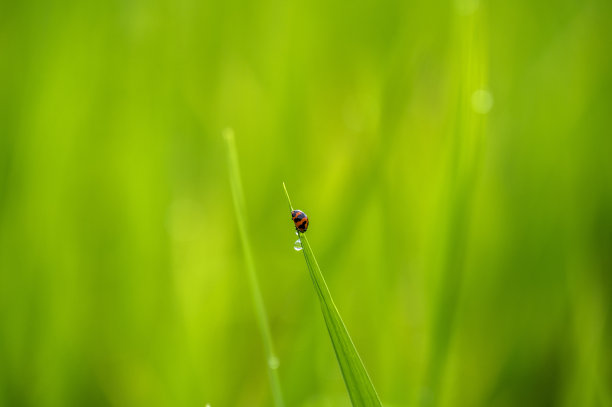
[{"x": 300, "y": 219}]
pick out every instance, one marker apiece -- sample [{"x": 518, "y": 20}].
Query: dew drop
[
  {"x": 466, "y": 7},
  {"x": 298, "y": 245},
  {"x": 273, "y": 362},
  {"x": 482, "y": 101}
]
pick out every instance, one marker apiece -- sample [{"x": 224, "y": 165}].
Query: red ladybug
[{"x": 300, "y": 219}]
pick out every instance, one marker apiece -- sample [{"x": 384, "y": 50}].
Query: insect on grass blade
[{"x": 358, "y": 382}]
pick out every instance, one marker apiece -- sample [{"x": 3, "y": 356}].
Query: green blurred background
[{"x": 454, "y": 158}]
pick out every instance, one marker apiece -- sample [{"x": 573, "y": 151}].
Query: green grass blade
[
  {"x": 260, "y": 310},
  {"x": 358, "y": 383}
]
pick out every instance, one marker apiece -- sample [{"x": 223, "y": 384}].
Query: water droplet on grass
[
  {"x": 298, "y": 245},
  {"x": 273, "y": 362},
  {"x": 482, "y": 101},
  {"x": 466, "y": 7}
]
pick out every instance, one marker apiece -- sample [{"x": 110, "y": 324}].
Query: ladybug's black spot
[{"x": 302, "y": 225}]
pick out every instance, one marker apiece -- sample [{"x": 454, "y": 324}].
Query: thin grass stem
[{"x": 258, "y": 303}]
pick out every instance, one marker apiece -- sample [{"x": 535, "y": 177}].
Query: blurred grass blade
[
  {"x": 358, "y": 383},
  {"x": 260, "y": 311}
]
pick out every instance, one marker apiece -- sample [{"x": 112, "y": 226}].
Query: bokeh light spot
[
  {"x": 482, "y": 101},
  {"x": 466, "y": 7}
]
